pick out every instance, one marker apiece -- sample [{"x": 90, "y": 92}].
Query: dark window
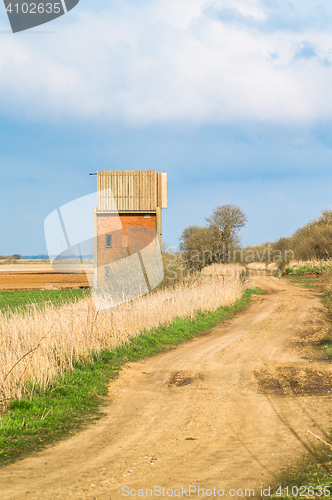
[{"x": 108, "y": 241}]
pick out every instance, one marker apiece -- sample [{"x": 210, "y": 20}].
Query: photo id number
[{"x": 34, "y": 8}]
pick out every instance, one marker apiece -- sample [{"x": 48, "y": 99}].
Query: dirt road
[{"x": 214, "y": 413}]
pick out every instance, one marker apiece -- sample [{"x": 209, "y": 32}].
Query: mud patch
[
  {"x": 182, "y": 377},
  {"x": 287, "y": 381}
]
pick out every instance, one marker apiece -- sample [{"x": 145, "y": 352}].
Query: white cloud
[{"x": 162, "y": 61}]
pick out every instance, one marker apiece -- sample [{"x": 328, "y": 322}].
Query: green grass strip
[
  {"x": 20, "y": 301},
  {"x": 305, "y": 269},
  {"x": 312, "y": 282},
  {"x": 311, "y": 478},
  {"x": 74, "y": 400}
]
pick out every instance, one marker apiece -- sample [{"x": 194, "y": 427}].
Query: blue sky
[{"x": 231, "y": 98}]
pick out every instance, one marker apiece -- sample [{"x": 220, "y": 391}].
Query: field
[
  {"x": 12, "y": 301},
  {"x": 28, "y": 275}
]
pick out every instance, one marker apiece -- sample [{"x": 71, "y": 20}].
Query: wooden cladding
[{"x": 131, "y": 190}]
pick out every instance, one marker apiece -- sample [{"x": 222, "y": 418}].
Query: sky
[{"x": 232, "y": 98}]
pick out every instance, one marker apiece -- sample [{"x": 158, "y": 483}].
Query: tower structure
[{"x": 128, "y": 215}]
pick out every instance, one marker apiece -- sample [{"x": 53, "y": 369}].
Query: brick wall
[{"x": 128, "y": 230}]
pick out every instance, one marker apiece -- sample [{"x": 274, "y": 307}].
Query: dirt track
[{"x": 211, "y": 413}]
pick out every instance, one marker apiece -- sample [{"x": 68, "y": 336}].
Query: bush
[{"x": 311, "y": 242}]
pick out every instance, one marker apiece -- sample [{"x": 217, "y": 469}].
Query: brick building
[{"x": 128, "y": 216}]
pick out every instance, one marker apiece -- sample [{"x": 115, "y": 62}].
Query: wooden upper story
[{"x": 131, "y": 191}]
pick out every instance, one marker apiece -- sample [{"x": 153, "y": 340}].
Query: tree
[
  {"x": 325, "y": 218},
  {"x": 225, "y": 222},
  {"x": 201, "y": 246},
  {"x": 197, "y": 248},
  {"x": 310, "y": 242},
  {"x": 186, "y": 234}
]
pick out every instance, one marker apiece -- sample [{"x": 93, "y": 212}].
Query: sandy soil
[{"x": 221, "y": 411}]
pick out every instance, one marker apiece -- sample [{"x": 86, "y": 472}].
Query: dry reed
[
  {"x": 38, "y": 345},
  {"x": 227, "y": 270}
]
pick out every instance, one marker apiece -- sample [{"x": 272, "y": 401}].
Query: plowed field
[{"x": 38, "y": 277}]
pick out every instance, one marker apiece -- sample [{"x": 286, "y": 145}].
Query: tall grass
[
  {"x": 226, "y": 270},
  {"x": 38, "y": 345}
]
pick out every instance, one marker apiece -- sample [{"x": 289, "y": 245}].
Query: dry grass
[
  {"x": 37, "y": 346},
  {"x": 226, "y": 270},
  {"x": 260, "y": 265},
  {"x": 230, "y": 270}
]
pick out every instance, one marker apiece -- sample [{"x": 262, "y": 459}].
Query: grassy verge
[
  {"x": 313, "y": 282},
  {"x": 75, "y": 399},
  {"x": 311, "y": 478},
  {"x": 312, "y": 475},
  {"x": 21, "y": 300},
  {"x": 306, "y": 269}
]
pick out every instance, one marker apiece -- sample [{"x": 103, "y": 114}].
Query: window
[{"x": 108, "y": 241}]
